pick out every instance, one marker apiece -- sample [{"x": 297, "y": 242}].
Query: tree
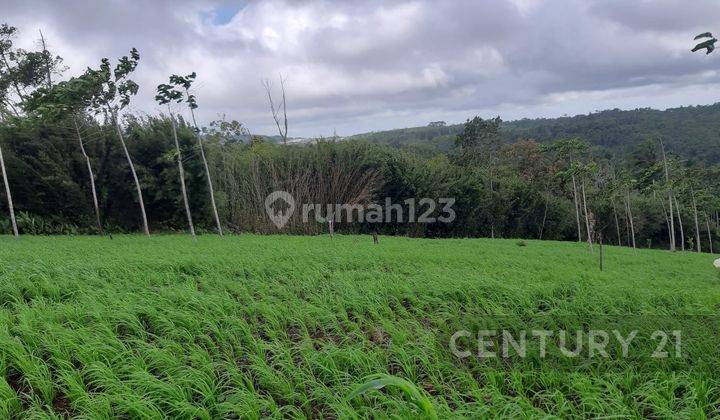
[
  {"x": 186, "y": 82},
  {"x": 114, "y": 95},
  {"x": 668, "y": 184},
  {"x": 72, "y": 100},
  {"x": 708, "y": 45},
  {"x": 582, "y": 172},
  {"x": 569, "y": 151},
  {"x": 165, "y": 95},
  {"x": 281, "y": 121},
  {"x": 20, "y": 70},
  {"x": 8, "y": 195},
  {"x": 479, "y": 144}
]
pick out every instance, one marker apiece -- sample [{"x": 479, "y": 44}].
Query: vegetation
[
  {"x": 689, "y": 132},
  {"x": 587, "y": 181},
  {"x": 303, "y": 326},
  {"x": 250, "y": 326}
]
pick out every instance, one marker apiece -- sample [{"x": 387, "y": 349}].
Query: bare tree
[
  {"x": 48, "y": 60},
  {"x": 280, "y": 120},
  {"x": 8, "y": 195}
]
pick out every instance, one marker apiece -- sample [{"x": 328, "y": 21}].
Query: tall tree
[
  {"x": 479, "y": 144},
  {"x": 668, "y": 185},
  {"x": 71, "y": 100},
  {"x": 117, "y": 90},
  {"x": 8, "y": 195},
  {"x": 165, "y": 95},
  {"x": 21, "y": 72},
  {"x": 186, "y": 83},
  {"x": 570, "y": 151}
]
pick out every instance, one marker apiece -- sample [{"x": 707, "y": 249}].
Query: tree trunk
[
  {"x": 492, "y": 199},
  {"x": 697, "y": 225},
  {"x": 542, "y": 226},
  {"x": 181, "y": 171},
  {"x": 134, "y": 174},
  {"x": 667, "y": 223},
  {"x": 207, "y": 175},
  {"x": 617, "y": 223},
  {"x": 680, "y": 223},
  {"x": 577, "y": 209},
  {"x": 14, "y": 80},
  {"x": 92, "y": 179},
  {"x": 47, "y": 60},
  {"x": 627, "y": 221},
  {"x": 587, "y": 219},
  {"x": 671, "y": 217},
  {"x": 632, "y": 226},
  {"x": 707, "y": 225},
  {"x": 670, "y": 198},
  {"x": 9, "y": 196}
]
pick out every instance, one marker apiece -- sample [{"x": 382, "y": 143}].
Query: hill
[{"x": 692, "y": 132}]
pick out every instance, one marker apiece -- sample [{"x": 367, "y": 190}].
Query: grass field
[{"x": 283, "y": 326}]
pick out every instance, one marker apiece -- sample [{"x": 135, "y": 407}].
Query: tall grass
[{"x": 283, "y": 326}]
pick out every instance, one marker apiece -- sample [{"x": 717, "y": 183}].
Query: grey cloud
[{"x": 377, "y": 64}]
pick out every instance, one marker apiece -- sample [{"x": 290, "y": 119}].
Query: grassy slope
[{"x": 277, "y": 325}]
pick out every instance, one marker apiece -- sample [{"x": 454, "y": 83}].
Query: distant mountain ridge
[{"x": 692, "y": 132}]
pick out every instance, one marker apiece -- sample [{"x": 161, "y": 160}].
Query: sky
[{"x": 358, "y": 66}]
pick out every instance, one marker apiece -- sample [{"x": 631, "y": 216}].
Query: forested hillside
[{"x": 692, "y": 132}]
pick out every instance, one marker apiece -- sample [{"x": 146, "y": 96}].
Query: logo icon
[{"x": 279, "y": 206}]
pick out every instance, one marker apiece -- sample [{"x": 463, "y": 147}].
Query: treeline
[
  {"x": 67, "y": 146},
  {"x": 519, "y": 190}
]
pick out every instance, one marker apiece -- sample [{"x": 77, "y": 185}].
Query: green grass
[{"x": 283, "y": 326}]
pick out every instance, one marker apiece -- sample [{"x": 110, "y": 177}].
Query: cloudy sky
[{"x": 359, "y": 66}]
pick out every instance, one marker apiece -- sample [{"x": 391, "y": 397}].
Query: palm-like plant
[
  {"x": 165, "y": 95},
  {"x": 185, "y": 82},
  {"x": 708, "y": 44}
]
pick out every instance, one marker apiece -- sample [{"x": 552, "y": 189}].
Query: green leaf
[{"x": 380, "y": 381}]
